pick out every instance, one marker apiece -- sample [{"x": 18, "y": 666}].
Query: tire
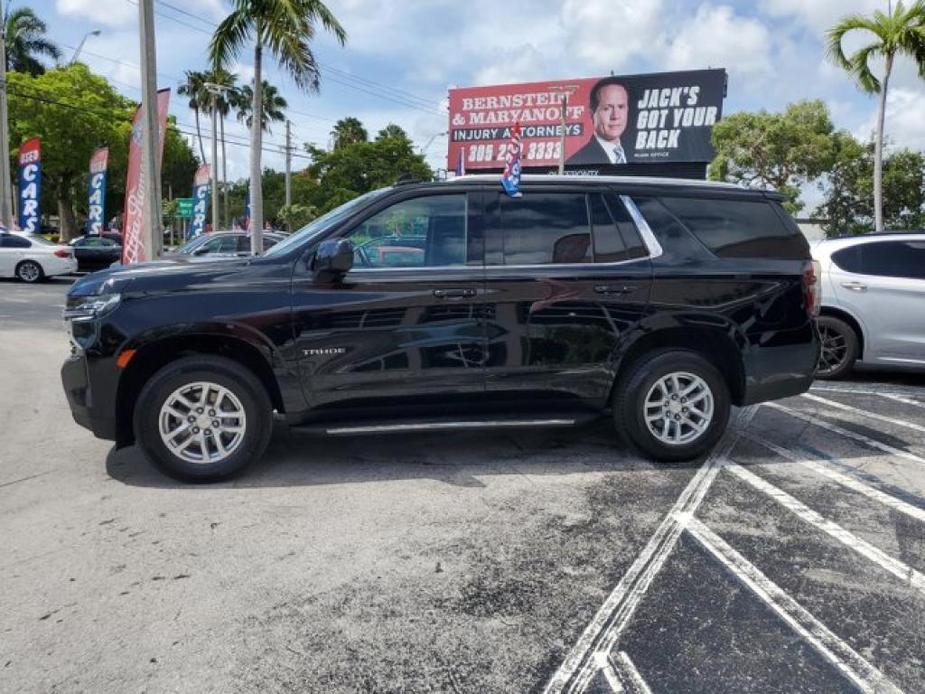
[
  {"x": 30, "y": 271},
  {"x": 246, "y": 426},
  {"x": 643, "y": 383},
  {"x": 840, "y": 347}
]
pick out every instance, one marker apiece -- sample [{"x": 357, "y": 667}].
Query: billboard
[
  {"x": 656, "y": 118},
  {"x": 30, "y": 184},
  {"x": 96, "y": 195}
]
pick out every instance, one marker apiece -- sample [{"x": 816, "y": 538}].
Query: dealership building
[{"x": 656, "y": 124}]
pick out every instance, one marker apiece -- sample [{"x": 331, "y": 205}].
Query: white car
[
  {"x": 31, "y": 258},
  {"x": 873, "y": 302}
]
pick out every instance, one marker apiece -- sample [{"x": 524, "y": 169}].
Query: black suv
[{"x": 450, "y": 305}]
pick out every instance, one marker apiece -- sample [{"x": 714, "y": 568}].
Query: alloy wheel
[
  {"x": 679, "y": 408},
  {"x": 202, "y": 422},
  {"x": 834, "y": 349}
]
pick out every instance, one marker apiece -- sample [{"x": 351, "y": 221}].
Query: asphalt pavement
[{"x": 791, "y": 560}]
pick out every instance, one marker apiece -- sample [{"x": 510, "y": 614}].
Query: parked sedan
[
  {"x": 224, "y": 244},
  {"x": 96, "y": 252},
  {"x": 873, "y": 302},
  {"x": 31, "y": 258}
]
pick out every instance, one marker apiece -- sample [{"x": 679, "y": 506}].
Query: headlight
[{"x": 81, "y": 308}]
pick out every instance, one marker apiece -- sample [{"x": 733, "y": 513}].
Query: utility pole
[
  {"x": 151, "y": 229},
  {"x": 6, "y": 184},
  {"x": 213, "y": 172},
  {"x": 563, "y": 99},
  {"x": 288, "y": 170}
]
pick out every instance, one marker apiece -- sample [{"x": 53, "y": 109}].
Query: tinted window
[
  {"x": 428, "y": 231},
  {"x": 893, "y": 259},
  {"x": 608, "y": 243},
  {"x": 544, "y": 228},
  {"x": 678, "y": 243},
  {"x": 10, "y": 241},
  {"x": 848, "y": 259},
  {"x": 738, "y": 228},
  {"x": 635, "y": 248}
]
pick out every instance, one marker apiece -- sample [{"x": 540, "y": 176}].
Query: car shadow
[{"x": 459, "y": 459}]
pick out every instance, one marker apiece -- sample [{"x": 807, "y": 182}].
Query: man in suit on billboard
[{"x": 609, "y": 116}]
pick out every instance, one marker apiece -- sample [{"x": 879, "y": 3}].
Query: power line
[{"x": 353, "y": 82}]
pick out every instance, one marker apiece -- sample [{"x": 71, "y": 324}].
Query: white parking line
[
  {"x": 845, "y": 432},
  {"x": 634, "y": 682},
  {"x": 903, "y": 400},
  {"x": 902, "y": 571},
  {"x": 864, "y": 675},
  {"x": 821, "y": 468},
  {"x": 864, "y": 413},
  {"x": 602, "y": 633},
  {"x": 865, "y": 389}
]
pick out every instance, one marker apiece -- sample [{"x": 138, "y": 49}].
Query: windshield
[{"x": 323, "y": 222}]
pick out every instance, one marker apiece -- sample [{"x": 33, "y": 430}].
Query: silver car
[{"x": 873, "y": 302}]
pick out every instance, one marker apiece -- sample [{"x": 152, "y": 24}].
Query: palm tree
[
  {"x": 273, "y": 105},
  {"x": 392, "y": 132},
  {"x": 348, "y": 131},
  {"x": 199, "y": 99},
  {"x": 286, "y": 28},
  {"x": 900, "y": 32},
  {"x": 25, "y": 40},
  {"x": 224, "y": 99}
]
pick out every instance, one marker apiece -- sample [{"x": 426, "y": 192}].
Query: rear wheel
[
  {"x": 203, "y": 418},
  {"x": 672, "y": 405},
  {"x": 839, "y": 348},
  {"x": 30, "y": 271}
]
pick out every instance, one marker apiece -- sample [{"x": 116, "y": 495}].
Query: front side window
[
  {"x": 11, "y": 241},
  {"x": 422, "y": 232}
]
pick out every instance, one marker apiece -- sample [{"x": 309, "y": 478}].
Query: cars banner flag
[
  {"x": 96, "y": 207},
  {"x": 133, "y": 248},
  {"x": 612, "y": 120},
  {"x": 510, "y": 179},
  {"x": 201, "y": 190},
  {"x": 30, "y": 185}
]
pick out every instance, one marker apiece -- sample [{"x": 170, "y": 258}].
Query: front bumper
[{"x": 76, "y": 382}]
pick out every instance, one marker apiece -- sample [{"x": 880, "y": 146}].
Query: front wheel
[
  {"x": 30, "y": 271},
  {"x": 672, "y": 405},
  {"x": 203, "y": 418}
]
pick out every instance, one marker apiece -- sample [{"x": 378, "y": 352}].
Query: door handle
[
  {"x": 613, "y": 289},
  {"x": 454, "y": 293},
  {"x": 855, "y": 286}
]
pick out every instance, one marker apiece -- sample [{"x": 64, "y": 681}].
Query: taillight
[
  {"x": 812, "y": 287},
  {"x": 62, "y": 253}
]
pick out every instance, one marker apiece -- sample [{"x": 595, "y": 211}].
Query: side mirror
[
  {"x": 333, "y": 259},
  {"x": 202, "y": 250}
]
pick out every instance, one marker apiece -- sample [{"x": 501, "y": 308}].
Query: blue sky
[{"x": 401, "y": 56}]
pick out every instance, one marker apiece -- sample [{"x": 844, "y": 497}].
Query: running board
[{"x": 408, "y": 427}]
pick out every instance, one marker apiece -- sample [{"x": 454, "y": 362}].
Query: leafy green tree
[
  {"x": 848, "y": 203},
  {"x": 775, "y": 150},
  {"x": 224, "y": 100},
  {"x": 73, "y": 111},
  {"x": 901, "y": 32},
  {"x": 199, "y": 99},
  {"x": 348, "y": 131},
  {"x": 285, "y": 28},
  {"x": 273, "y": 106},
  {"x": 26, "y": 42},
  {"x": 392, "y": 132},
  {"x": 296, "y": 216},
  {"x": 353, "y": 169}
]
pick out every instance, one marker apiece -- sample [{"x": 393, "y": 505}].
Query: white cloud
[
  {"x": 717, "y": 37},
  {"x": 904, "y": 125},
  {"x": 603, "y": 34},
  {"x": 819, "y": 15},
  {"x": 108, "y": 12}
]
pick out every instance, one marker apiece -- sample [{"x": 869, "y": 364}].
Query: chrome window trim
[
  {"x": 485, "y": 268},
  {"x": 648, "y": 238}
]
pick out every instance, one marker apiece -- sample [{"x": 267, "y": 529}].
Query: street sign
[{"x": 185, "y": 207}]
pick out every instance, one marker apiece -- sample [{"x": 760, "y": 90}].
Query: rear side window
[
  {"x": 615, "y": 235},
  {"x": 904, "y": 259},
  {"x": 10, "y": 241},
  {"x": 546, "y": 228},
  {"x": 739, "y": 228}
]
